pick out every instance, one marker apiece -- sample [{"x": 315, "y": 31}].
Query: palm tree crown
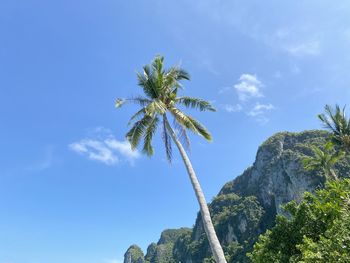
[
  {"x": 161, "y": 87},
  {"x": 324, "y": 160},
  {"x": 335, "y": 120}
]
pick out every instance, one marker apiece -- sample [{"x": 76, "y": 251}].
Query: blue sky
[{"x": 70, "y": 188}]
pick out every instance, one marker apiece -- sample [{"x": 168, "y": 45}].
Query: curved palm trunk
[{"x": 208, "y": 225}]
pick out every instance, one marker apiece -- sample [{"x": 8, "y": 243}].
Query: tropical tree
[
  {"x": 335, "y": 121},
  {"x": 316, "y": 230},
  {"x": 160, "y": 87},
  {"x": 323, "y": 160}
]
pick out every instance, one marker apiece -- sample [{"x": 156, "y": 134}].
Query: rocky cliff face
[
  {"x": 163, "y": 250},
  {"x": 247, "y": 206},
  {"x": 134, "y": 254}
]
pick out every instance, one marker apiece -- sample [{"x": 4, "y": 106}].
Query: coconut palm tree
[
  {"x": 161, "y": 87},
  {"x": 323, "y": 160},
  {"x": 335, "y": 121}
]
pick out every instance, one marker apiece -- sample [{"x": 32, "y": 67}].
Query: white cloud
[
  {"x": 95, "y": 150},
  {"x": 260, "y": 109},
  {"x": 107, "y": 150},
  {"x": 233, "y": 108},
  {"x": 248, "y": 87},
  {"x": 311, "y": 47},
  {"x": 249, "y": 92},
  {"x": 123, "y": 148}
]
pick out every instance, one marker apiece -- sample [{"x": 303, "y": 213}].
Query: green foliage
[
  {"x": 335, "y": 120},
  {"x": 324, "y": 160},
  {"x": 160, "y": 87},
  {"x": 171, "y": 235},
  {"x": 195, "y": 103},
  {"x": 333, "y": 245},
  {"x": 317, "y": 229},
  {"x": 135, "y": 253},
  {"x": 181, "y": 250},
  {"x": 238, "y": 207},
  {"x": 162, "y": 252},
  {"x": 236, "y": 220}
]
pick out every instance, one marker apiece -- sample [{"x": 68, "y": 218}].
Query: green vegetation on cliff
[
  {"x": 318, "y": 229},
  {"x": 247, "y": 206},
  {"x": 162, "y": 252},
  {"x": 134, "y": 255}
]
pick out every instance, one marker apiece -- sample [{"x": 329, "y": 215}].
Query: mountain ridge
[{"x": 247, "y": 206}]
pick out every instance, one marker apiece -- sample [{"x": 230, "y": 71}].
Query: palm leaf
[
  {"x": 190, "y": 123},
  {"x": 146, "y": 81},
  {"x": 179, "y": 73},
  {"x": 195, "y": 103},
  {"x": 142, "y": 101},
  {"x": 167, "y": 141},
  {"x": 149, "y": 133},
  {"x": 137, "y": 115},
  {"x": 182, "y": 119},
  {"x": 155, "y": 107},
  {"x": 182, "y": 135},
  {"x": 157, "y": 66},
  {"x": 172, "y": 78},
  {"x": 138, "y": 130},
  {"x": 201, "y": 129}
]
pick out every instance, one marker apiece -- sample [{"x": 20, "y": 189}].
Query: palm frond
[
  {"x": 146, "y": 81},
  {"x": 138, "y": 130},
  {"x": 195, "y": 103},
  {"x": 157, "y": 66},
  {"x": 167, "y": 141},
  {"x": 155, "y": 107},
  {"x": 182, "y": 135},
  {"x": 172, "y": 78},
  {"x": 119, "y": 102},
  {"x": 149, "y": 133},
  {"x": 179, "y": 74},
  {"x": 330, "y": 119},
  {"x": 190, "y": 123},
  {"x": 310, "y": 164},
  {"x": 136, "y": 115},
  {"x": 335, "y": 120},
  {"x": 142, "y": 101},
  {"x": 201, "y": 129},
  {"x": 323, "y": 160},
  {"x": 336, "y": 157},
  {"x": 157, "y": 63},
  {"x": 182, "y": 119}
]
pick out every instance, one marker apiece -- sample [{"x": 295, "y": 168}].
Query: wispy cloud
[
  {"x": 310, "y": 47},
  {"x": 296, "y": 37},
  {"x": 259, "y": 109},
  {"x": 105, "y": 148},
  {"x": 45, "y": 163},
  {"x": 248, "y": 87},
  {"x": 248, "y": 91},
  {"x": 296, "y": 41},
  {"x": 232, "y": 108}
]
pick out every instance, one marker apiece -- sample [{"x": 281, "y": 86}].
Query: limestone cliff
[
  {"x": 134, "y": 254},
  {"x": 247, "y": 206}
]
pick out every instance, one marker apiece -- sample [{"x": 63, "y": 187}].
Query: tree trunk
[
  {"x": 215, "y": 246},
  {"x": 333, "y": 175}
]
